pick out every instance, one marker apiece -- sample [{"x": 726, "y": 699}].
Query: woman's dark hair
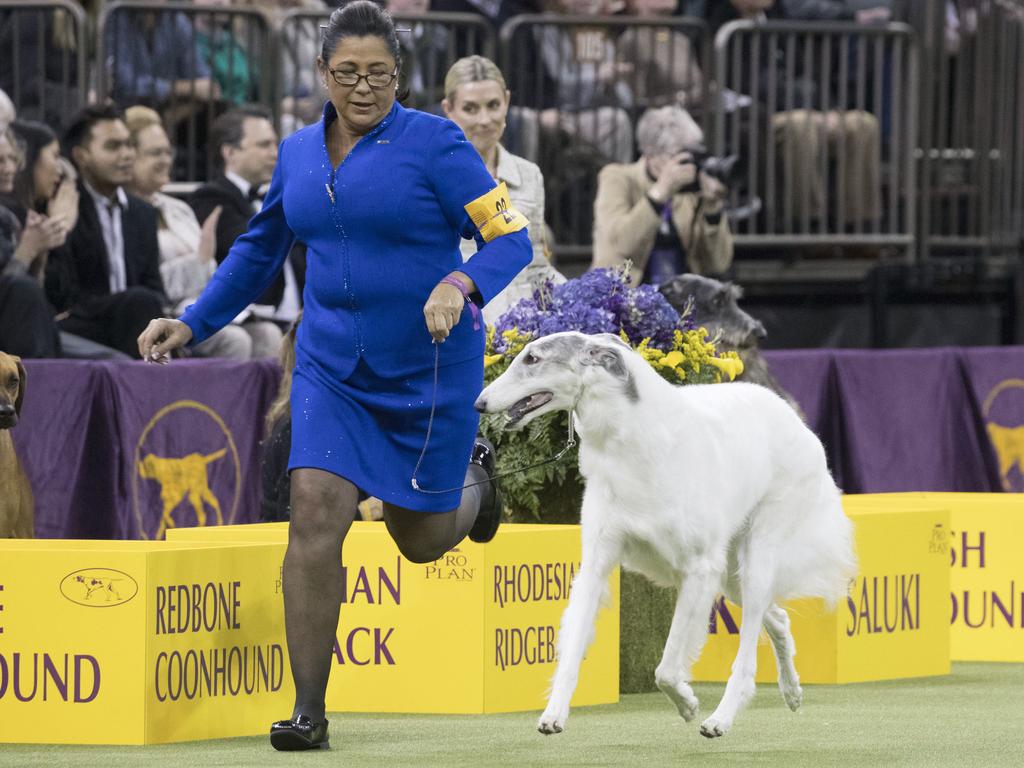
[
  {"x": 362, "y": 18},
  {"x": 33, "y": 137}
]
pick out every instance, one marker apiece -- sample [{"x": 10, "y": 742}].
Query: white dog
[{"x": 707, "y": 489}]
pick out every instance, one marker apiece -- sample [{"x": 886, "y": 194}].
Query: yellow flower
[
  {"x": 490, "y": 360},
  {"x": 730, "y": 366},
  {"x": 672, "y": 359}
]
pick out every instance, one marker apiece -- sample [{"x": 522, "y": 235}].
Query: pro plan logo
[
  {"x": 938, "y": 544},
  {"x": 98, "y": 587},
  {"x": 1004, "y": 419},
  {"x": 187, "y": 470},
  {"x": 454, "y": 566}
]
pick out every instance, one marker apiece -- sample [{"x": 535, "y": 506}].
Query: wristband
[{"x": 473, "y": 308}]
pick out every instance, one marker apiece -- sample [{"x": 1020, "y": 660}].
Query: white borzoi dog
[{"x": 704, "y": 488}]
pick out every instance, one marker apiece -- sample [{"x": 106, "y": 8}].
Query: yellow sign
[
  {"x": 985, "y": 551},
  {"x": 472, "y": 632},
  {"x": 892, "y": 624},
  {"x": 133, "y": 642}
]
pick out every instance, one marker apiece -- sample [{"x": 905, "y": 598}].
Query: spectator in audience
[
  {"x": 7, "y": 111},
  {"x": 39, "y": 62},
  {"x": 861, "y": 11},
  {"x": 497, "y": 12},
  {"x": 105, "y": 280},
  {"x": 302, "y": 92},
  {"x": 43, "y": 195},
  {"x": 580, "y": 89},
  {"x": 42, "y": 204},
  {"x": 802, "y": 132},
  {"x": 424, "y": 48},
  {"x": 661, "y": 61},
  {"x": 154, "y": 59},
  {"x": 27, "y": 328},
  {"x": 660, "y": 214},
  {"x": 233, "y": 68},
  {"x": 45, "y": 183},
  {"x": 476, "y": 99},
  {"x": 186, "y": 250},
  {"x": 246, "y": 144}
]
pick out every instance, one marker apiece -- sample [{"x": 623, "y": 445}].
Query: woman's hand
[
  {"x": 64, "y": 204},
  {"x": 40, "y": 235},
  {"x": 443, "y": 310},
  {"x": 161, "y": 337},
  {"x": 208, "y": 236}
]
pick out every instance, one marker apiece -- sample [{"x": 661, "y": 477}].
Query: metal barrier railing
[
  {"x": 824, "y": 117},
  {"x": 431, "y": 45},
  {"x": 189, "y": 62},
  {"x": 842, "y": 145},
  {"x": 579, "y": 84},
  {"x": 43, "y": 58},
  {"x": 971, "y": 149}
]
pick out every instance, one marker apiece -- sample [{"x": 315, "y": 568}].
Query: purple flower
[{"x": 601, "y": 301}]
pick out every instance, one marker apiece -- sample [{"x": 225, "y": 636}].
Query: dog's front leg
[{"x": 575, "y": 634}]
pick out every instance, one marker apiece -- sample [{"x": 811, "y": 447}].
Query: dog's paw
[
  {"x": 713, "y": 727},
  {"x": 794, "y": 696},
  {"x": 682, "y": 696},
  {"x": 552, "y": 722}
]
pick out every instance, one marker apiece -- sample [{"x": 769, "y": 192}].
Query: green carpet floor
[{"x": 974, "y": 717}]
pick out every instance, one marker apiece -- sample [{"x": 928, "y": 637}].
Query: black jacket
[
  {"x": 79, "y": 271},
  {"x": 236, "y": 211}
]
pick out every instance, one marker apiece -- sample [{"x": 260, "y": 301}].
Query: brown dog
[{"x": 16, "y": 507}]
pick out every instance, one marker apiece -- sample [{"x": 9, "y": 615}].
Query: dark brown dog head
[
  {"x": 715, "y": 307},
  {"x": 12, "y": 389}
]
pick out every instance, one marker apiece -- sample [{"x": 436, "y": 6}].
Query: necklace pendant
[{"x": 330, "y": 192}]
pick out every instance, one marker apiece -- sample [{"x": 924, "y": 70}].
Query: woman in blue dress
[{"x": 381, "y": 196}]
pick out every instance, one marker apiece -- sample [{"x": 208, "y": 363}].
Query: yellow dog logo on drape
[
  {"x": 184, "y": 481},
  {"x": 1007, "y": 440}
]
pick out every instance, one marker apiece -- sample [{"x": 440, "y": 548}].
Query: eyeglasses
[{"x": 375, "y": 80}]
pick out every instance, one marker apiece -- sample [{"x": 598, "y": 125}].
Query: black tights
[{"x": 323, "y": 508}]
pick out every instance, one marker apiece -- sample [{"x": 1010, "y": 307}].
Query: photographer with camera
[{"x": 664, "y": 212}]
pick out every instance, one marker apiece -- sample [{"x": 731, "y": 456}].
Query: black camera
[{"x": 725, "y": 170}]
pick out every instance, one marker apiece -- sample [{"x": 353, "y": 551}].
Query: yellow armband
[{"x": 494, "y": 215}]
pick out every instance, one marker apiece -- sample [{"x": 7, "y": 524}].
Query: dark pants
[
  {"x": 116, "y": 320},
  {"x": 27, "y": 328}
]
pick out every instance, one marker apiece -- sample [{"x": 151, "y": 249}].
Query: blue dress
[{"x": 381, "y": 231}]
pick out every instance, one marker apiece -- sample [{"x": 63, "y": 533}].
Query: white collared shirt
[
  {"x": 109, "y": 213},
  {"x": 243, "y": 187}
]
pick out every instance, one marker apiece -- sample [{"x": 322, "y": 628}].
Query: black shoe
[
  {"x": 489, "y": 517},
  {"x": 298, "y": 734}
]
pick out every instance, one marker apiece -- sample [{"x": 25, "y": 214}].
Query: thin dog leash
[{"x": 569, "y": 443}]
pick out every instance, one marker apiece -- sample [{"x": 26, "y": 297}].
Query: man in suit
[
  {"x": 246, "y": 145},
  {"x": 105, "y": 280}
]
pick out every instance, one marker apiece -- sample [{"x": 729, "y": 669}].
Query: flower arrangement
[{"x": 601, "y": 301}]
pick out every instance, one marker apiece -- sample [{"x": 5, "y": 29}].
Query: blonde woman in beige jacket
[
  {"x": 477, "y": 99},
  {"x": 659, "y": 213}
]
